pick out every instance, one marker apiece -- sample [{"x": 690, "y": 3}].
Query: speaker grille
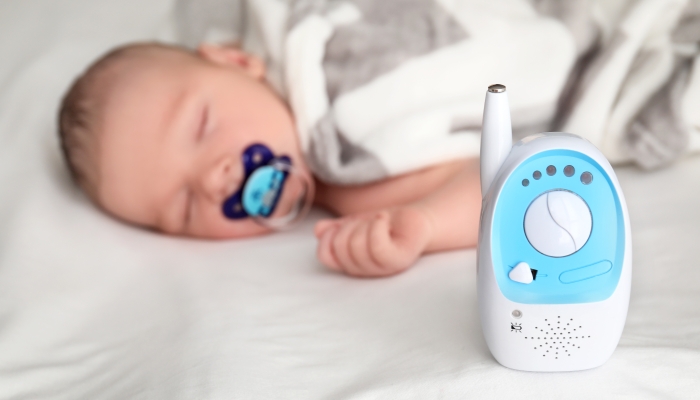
[{"x": 557, "y": 337}]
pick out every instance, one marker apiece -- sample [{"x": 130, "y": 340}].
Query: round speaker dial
[{"x": 558, "y": 223}]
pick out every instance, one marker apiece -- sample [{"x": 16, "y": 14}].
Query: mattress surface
[{"x": 93, "y": 309}]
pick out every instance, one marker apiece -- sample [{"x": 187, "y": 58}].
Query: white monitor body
[{"x": 554, "y": 255}]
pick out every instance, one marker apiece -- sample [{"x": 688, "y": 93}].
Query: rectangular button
[{"x": 582, "y": 273}]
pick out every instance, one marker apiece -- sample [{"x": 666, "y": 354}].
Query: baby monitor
[{"x": 554, "y": 255}]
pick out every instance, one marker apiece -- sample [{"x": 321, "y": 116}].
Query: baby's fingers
[
  {"x": 324, "y": 251},
  {"x": 382, "y": 248},
  {"x": 341, "y": 246},
  {"x": 358, "y": 245},
  {"x": 323, "y": 225}
]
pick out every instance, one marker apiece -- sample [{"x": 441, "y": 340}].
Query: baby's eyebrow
[
  {"x": 171, "y": 213},
  {"x": 176, "y": 117},
  {"x": 203, "y": 116}
]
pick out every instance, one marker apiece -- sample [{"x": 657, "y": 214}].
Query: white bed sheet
[{"x": 93, "y": 309}]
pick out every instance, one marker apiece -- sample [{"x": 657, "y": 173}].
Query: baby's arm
[{"x": 437, "y": 210}]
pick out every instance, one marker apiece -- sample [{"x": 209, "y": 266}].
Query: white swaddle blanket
[{"x": 383, "y": 88}]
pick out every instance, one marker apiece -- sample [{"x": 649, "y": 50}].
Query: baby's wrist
[{"x": 422, "y": 224}]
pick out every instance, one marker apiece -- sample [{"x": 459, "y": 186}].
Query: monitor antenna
[{"x": 496, "y": 134}]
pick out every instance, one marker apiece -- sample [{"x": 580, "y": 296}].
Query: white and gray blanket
[{"x": 380, "y": 88}]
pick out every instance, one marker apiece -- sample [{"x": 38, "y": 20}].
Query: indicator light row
[{"x": 569, "y": 171}]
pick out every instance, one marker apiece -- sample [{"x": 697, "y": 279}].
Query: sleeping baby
[
  {"x": 371, "y": 110},
  {"x": 156, "y": 136}
]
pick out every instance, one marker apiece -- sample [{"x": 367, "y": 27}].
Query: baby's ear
[{"x": 230, "y": 56}]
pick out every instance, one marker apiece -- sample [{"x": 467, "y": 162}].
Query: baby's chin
[{"x": 228, "y": 229}]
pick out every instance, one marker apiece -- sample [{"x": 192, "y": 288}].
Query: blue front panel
[{"x": 588, "y": 275}]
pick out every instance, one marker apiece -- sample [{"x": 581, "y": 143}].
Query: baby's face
[{"x": 174, "y": 128}]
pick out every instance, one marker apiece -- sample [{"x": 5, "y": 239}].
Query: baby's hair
[{"x": 79, "y": 113}]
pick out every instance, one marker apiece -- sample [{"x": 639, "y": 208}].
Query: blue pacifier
[{"x": 273, "y": 193}]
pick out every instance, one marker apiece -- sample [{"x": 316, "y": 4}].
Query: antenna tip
[{"x": 497, "y": 88}]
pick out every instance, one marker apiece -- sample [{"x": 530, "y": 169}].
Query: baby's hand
[{"x": 373, "y": 244}]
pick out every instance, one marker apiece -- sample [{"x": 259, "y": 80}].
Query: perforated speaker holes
[{"x": 556, "y": 337}]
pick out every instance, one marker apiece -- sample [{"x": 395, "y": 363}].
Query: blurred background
[{"x": 91, "y": 308}]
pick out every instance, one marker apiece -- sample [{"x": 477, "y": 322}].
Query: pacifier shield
[
  {"x": 273, "y": 192},
  {"x": 262, "y": 191}
]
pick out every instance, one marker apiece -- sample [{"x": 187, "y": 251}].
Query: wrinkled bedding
[
  {"x": 381, "y": 88},
  {"x": 93, "y": 309}
]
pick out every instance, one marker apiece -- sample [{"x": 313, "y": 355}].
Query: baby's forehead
[
  {"x": 125, "y": 80},
  {"x": 144, "y": 64},
  {"x": 145, "y": 83}
]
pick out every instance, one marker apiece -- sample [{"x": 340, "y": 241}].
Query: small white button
[{"x": 521, "y": 273}]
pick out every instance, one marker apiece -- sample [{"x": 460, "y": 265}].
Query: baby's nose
[{"x": 220, "y": 180}]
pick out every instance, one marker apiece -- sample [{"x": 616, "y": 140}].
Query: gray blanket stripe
[
  {"x": 658, "y": 135},
  {"x": 390, "y": 33}
]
